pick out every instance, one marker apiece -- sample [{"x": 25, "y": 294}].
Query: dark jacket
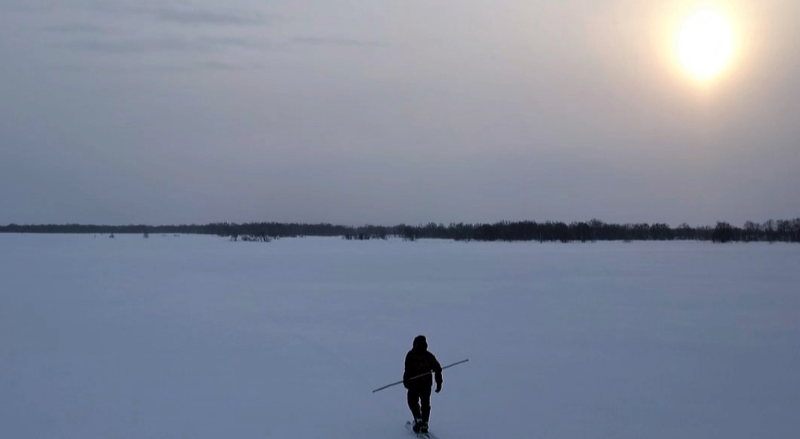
[{"x": 418, "y": 362}]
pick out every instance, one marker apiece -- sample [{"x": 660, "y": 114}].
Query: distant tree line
[
  {"x": 596, "y": 230},
  {"x": 252, "y": 230},
  {"x": 588, "y": 231}
]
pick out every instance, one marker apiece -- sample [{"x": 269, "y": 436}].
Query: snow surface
[{"x": 198, "y": 337}]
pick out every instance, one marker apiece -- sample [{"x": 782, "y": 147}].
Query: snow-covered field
[{"x": 198, "y": 337}]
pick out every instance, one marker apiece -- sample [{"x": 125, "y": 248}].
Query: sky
[{"x": 363, "y": 112}]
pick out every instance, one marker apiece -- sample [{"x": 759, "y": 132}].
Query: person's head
[{"x": 420, "y": 343}]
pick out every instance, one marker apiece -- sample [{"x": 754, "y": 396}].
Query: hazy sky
[{"x": 365, "y": 111}]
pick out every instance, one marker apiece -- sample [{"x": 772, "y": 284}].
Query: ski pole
[{"x": 418, "y": 376}]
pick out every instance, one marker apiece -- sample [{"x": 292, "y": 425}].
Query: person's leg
[
  {"x": 425, "y": 397},
  {"x": 413, "y": 403}
]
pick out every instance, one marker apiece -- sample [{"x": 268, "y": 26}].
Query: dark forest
[{"x": 589, "y": 231}]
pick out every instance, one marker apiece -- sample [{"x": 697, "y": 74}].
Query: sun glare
[{"x": 706, "y": 44}]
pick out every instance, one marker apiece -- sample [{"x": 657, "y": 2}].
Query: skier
[{"x": 421, "y": 362}]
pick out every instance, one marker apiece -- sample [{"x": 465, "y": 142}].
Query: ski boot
[
  {"x": 423, "y": 427},
  {"x": 418, "y": 423}
]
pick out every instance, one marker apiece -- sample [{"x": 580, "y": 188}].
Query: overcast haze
[{"x": 357, "y": 111}]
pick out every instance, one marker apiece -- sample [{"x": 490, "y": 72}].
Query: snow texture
[{"x": 198, "y": 337}]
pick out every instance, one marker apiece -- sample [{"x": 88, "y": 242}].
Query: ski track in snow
[{"x": 199, "y": 337}]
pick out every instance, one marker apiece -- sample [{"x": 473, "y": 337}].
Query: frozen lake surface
[{"x": 198, "y": 337}]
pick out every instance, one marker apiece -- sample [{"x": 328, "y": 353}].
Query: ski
[{"x": 428, "y": 435}]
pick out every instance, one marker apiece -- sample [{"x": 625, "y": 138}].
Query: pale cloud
[
  {"x": 75, "y": 28},
  {"x": 162, "y": 44},
  {"x": 208, "y": 17},
  {"x": 336, "y": 42}
]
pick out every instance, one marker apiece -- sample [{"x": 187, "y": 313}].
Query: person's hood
[{"x": 420, "y": 343}]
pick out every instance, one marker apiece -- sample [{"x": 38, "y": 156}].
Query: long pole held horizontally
[{"x": 418, "y": 376}]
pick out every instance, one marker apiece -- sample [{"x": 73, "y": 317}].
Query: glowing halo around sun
[{"x": 705, "y": 44}]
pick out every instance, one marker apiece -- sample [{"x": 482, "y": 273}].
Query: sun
[{"x": 706, "y": 44}]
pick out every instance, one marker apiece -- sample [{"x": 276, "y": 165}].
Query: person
[{"x": 417, "y": 379}]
